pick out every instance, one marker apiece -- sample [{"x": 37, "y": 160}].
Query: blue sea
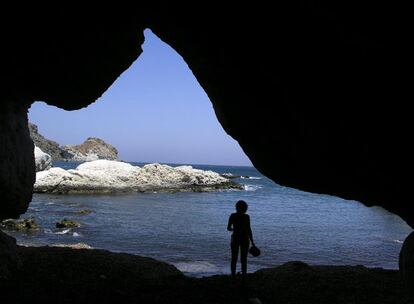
[{"x": 189, "y": 229}]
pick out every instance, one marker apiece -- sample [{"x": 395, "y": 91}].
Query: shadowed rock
[{"x": 9, "y": 259}]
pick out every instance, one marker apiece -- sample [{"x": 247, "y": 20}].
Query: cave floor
[{"x": 64, "y": 275}]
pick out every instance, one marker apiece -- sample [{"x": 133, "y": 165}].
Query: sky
[{"x": 154, "y": 112}]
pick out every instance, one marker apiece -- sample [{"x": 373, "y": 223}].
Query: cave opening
[{"x": 176, "y": 227}]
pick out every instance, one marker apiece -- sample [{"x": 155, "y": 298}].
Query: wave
[
  {"x": 398, "y": 241},
  {"x": 252, "y": 187},
  {"x": 63, "y": 232},
  {"x": 196, "y": 267},
  {"x": 75, "y": 234},
  {"x": 254, "y": 177}
]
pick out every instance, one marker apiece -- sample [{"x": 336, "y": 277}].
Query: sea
[{"x": 188, "y": 229}]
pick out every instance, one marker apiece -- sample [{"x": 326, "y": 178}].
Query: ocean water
[{"x": 189, "y": 229}]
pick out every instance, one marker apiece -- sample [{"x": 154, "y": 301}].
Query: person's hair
[{"x": 241, "y": 206}]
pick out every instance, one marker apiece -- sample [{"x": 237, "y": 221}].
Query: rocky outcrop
[
  {"x": 46, "y": 145},
  {"x": 113, "y": 176},
  {"x": 66, "y": 223},
  {"x": 27, "y": 224},
  {"x": 92, "y": 149},
  {"x": 43, "y": 161}
]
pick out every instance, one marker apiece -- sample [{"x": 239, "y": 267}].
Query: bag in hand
[{"x": 254, "y": 251}]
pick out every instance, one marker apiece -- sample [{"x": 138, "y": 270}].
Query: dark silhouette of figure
[{"x": 239, "y": 223}]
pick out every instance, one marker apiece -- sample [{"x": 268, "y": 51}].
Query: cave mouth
[{"x": 287, "y": 223}]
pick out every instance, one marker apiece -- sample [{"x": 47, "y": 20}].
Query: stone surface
[
  {"x": 9, "y": 259},
  {"x": 406, "y": 264},
  {"x": 43, "y": 161},
  {"x": 113, "y": 176},
  {"x": 17, "y": 166},
  {"x": 46, "y": 145},
  {"x": 92, "y": 149}
]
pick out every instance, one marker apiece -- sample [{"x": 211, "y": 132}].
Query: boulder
[
  {"x": 65, "y": 223},
  {"x": 43, "y": 160},
  {"x": 114, "y": 176},
  {"x": 9, "y": 260}
]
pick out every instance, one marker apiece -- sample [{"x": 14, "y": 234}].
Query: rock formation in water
[
  {"x": 43, "y": 161},
  {"x": 46, "y": 145},
  {"x": 27, "y": 224},
  {"x": 92, "y": 149},
  {"x": 103, "y": 176}
]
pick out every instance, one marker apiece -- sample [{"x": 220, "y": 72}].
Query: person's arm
[
  {"x": 230, "y": 223},
  {"x": 249, "y": 229}
]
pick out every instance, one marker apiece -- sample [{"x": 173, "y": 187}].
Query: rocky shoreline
[{"x": 47, "y": 274}]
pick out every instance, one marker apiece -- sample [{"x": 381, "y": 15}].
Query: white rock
[
  {"x": 115, "y": 176},
  {"x": 43, "y": 160}
]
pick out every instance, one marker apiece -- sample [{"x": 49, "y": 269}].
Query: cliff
[
  {"x": 92, "y": 149},
  {"x": 46, "y": 145}
]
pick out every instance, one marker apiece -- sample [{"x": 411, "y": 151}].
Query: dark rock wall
[
  {"x": 17, "y": 166},
  {"x": 314, "y": 95}
]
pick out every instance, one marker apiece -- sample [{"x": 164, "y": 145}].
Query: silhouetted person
[{"x": 239, "y": 223}]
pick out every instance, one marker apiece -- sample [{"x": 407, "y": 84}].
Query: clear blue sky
[{"x": 155, "y": 112}]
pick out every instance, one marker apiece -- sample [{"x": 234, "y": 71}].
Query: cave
[{"x": 303, "y": 87}]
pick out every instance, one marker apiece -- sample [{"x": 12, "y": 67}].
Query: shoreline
[{"x": 65, "y": 275}]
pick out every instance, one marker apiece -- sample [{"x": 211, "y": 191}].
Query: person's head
[{"x": 241, "y": 206}]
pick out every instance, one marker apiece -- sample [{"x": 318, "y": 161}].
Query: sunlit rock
[
  {"x": 92, "y": 149},
  {"x": 43, "y": 160},
  {"x": 113, "y": 176}
]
